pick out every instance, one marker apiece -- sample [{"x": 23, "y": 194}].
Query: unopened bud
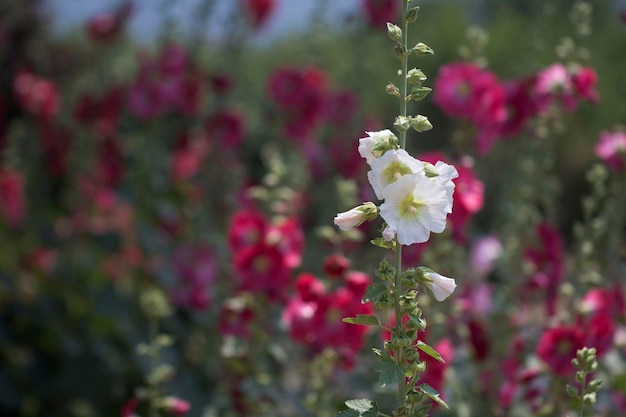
[
  {"x": 411, "y": 14},
  {"x": 420, "y": 123},
  {"x": 394, "y": 32},
  {"x": 392, "y": 90},
  {"x": 402, "y": 124},
  {"x": 423, "y": 49},
  {"x": 415, "y": 76}
]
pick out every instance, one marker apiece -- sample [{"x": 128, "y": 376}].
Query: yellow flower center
[
  {"x": 409, "y": 206},
  {"x": 395, "y": 170}
]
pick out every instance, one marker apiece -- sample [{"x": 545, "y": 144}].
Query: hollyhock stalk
[{"x": 417, "y": 199}]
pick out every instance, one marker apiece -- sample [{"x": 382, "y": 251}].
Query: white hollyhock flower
[
  {"x": 414, "y": 206},
  {"x": 445, "y": 174},
  {"x": 354, "y": 217},
  {"x": 390, "y": 167},
  {"x": 441, "y": 286},
  {"x": 367, "y": 146}
]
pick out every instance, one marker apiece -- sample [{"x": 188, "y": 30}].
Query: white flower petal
[{"x": 441, "y": 286}]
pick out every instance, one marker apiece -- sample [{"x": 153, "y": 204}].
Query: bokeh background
[{"x": 175, "y": 167}]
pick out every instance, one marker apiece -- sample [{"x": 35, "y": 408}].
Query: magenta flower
[
  {"x": 611, "y": 148},
  {"x": 468, "y": 92},
  {"x": 225, "y": 129},
  {"x": 557, "y": 347}
]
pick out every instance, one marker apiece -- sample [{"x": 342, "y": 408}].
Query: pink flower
[
  {"x": 258, "y": 11},
  {"x": 557, "y": 347},
  {"x": 12, "y": 201},
  {"x": 611, "y": 148},
  {"x": 247, "y": 228},
  {"x": 177, "y": 406},
  {"x": 262, "y": 269},
  {"x": 379, "y": 12},
  {"x": 468, "y": 92},
  {"x": 36, "y": 95},
  {"x": 128, "y": 409},
  {"x": 484, "y": 253}
]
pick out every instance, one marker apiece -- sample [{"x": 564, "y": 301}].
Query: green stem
[
  {"x": 396, "y": 299},
  {"x": 152, "y": 334},
  {"x": 405, "y": 69},
  {"x": 398, "y": 280}
]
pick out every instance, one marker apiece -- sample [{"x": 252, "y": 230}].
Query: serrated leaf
[
  {"x": 430, "y": 351},
  {"x": 359, "y": 408},
  {"x": 390, "y": 372},
  {"x": 363, "y": 319},
  {"x": 419, "y": 322},
  {"x": 433, "y": 394},
  {"x": 374, "y": 292}
]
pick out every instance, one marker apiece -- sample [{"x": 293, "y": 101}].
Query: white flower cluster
[{"x": 417, "y": 197}]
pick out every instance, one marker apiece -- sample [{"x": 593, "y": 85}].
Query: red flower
[
  {"x": 314, "y": 316},
  {"x": 262, "y": 269},
  {"x": 336, "y": 265},
  {"x": 379, "y": 12},
  {"x": 12, "y": 201},
  {"x": 247, "y": 228},
  {"x": 585, "y": 80},
  {"x": 101, "y": 112},
  {"x": 258, "y": 11},
  {"x": 557, "y": 347}
]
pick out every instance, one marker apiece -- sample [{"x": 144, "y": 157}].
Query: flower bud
[
  {"x": 402, "y": 124},
  {"x": 415, "y": 76},
  {"x": 400, "y": 52},
  {"x": 392, "y": 90},
  {"x": 411, "y": 14},
  {"x": 418, "y": 93},
  {"x": 440, "y": 286},
  {"x": 422, "y": 49},
  {"x": 420, "y": 123},
  {"x": 356, "y": 216},
  {"x": 394, "y": 32}
]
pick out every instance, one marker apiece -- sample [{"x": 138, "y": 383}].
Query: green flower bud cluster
[{"x": 585, "y": 394}]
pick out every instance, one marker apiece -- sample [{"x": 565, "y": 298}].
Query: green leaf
[
  {"x": 374, "y": 292},
  {"x": 433, "y": 394},
  {"x": 390, "y": 372},
  {"x": 382, "y": 243},
  {"x": 572, "y": 391},
  {"x": 429, "y": 350},
  {"x": 420, "y": 323},
  {"x": 363, "y": 319},
  {"x": 360, "y": 408}
]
